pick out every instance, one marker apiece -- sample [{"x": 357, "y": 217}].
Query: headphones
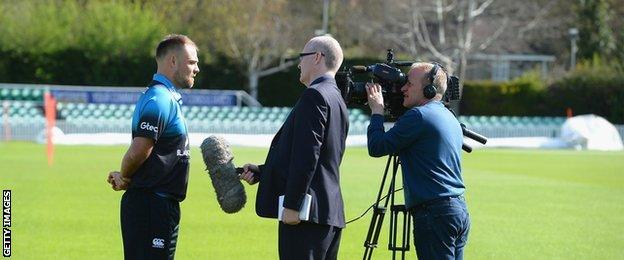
[{"x": 430, "y": 90}]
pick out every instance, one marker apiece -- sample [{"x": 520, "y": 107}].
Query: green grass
[{"x": 524, "y": 204}]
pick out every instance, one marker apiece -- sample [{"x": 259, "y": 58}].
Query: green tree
[
  {"x": 595, "y": 34},
  {"x": 102, "y": 42},
  {"x": 32, "y": 27},
  {"x": 258, "y": 35}
]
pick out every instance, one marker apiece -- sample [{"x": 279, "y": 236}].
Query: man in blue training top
[
  {"x": 154, "y": 170},
  {"x": 428, "y": 141}
]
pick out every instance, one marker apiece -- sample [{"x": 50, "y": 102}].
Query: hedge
[
  {"x": 602, "y": 95},
  {"x": 589, "y": 90},
  {"x": 522, "y": 96}
]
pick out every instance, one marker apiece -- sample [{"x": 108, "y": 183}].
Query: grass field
[{"x": 524, "y": 204}]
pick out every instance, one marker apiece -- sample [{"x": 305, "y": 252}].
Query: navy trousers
[
  {"x": 441, "y": 228},
  {"x": 308, "y": 241},
  {"x": 149, "y": 225}
]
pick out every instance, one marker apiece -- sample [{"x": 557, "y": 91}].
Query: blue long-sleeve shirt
[{"x": 428, "y": 140}]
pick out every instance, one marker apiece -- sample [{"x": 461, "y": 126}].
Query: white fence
[{"x": 28, "y": 129}]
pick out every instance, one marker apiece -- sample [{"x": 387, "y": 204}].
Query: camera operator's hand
[{"x": 375, "y": 98}]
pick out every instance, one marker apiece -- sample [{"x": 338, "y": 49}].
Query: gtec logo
[{"x": 148, "y": 127}]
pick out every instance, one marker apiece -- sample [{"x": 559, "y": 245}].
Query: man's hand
[
  {"x": 117, "y": 181},
  {"x": 375, "y": 98},
  {"x": 290, "y": 217},
  {"x": 249, "y": 171}
]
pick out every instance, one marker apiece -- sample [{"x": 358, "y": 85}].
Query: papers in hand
[{"x": 304, "y": 211}]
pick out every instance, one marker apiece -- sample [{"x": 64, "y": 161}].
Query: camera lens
[{"x": 357, "y": 94}]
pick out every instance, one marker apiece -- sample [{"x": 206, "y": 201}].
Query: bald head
[
  {"x": 330, "y": 48},
  {"x": 439, "y": 79}
]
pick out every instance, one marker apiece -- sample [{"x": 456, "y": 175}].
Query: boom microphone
[{"x": 218, "y": 159}]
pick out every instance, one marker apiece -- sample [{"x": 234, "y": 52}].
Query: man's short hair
[
  {"x": 439, "y": 79},
  {"x": 172, "y": 42},
  {"x": 331, "y": 49}
]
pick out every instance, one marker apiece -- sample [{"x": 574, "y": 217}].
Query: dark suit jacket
[{"x": 305, "y": 156}]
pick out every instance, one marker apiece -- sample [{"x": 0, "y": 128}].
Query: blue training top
[
  {"x": 428, "y": 140},
  {"x": 157, "y": 115}
]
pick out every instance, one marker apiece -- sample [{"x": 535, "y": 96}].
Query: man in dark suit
[{"x": 304, "y": 158}]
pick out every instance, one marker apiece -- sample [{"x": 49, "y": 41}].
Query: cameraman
[{"x": 428, "y": 140}]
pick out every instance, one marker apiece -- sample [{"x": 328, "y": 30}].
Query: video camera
[{"x": 391, "y": 79}]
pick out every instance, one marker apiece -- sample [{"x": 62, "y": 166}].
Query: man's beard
[{"x": 181, "y": 81}]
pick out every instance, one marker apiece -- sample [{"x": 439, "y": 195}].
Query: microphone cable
[{"x": 371, "y": 206}]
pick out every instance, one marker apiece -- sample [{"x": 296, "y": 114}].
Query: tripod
[{"x": 397, "y": 213}]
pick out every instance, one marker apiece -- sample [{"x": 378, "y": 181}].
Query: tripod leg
[
  {"x": 373, "y": 232},
  {"x": 397, "y": 211},
  {"x": 406, "y": 234},
  {"x": 379, "y": 212},
  {"x": 407, "y": 231},
  {"x": 376, "y": 223},
  {"x": 399, "y": 217}
]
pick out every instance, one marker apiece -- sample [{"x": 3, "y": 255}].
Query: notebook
[{"x": 304, "y": 212}]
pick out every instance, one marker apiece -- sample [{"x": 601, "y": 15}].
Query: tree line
[{"x": 244, "y": 44}]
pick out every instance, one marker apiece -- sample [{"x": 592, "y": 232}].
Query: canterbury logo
[
  {"x": 158, "y": 243},
  {"x": 148, "y": 127}
]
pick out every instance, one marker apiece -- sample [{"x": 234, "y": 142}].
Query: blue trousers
[{"x": 441, "y": 228}]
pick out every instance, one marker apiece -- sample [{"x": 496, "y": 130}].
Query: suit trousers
[{"x": 308, "y": 241}]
